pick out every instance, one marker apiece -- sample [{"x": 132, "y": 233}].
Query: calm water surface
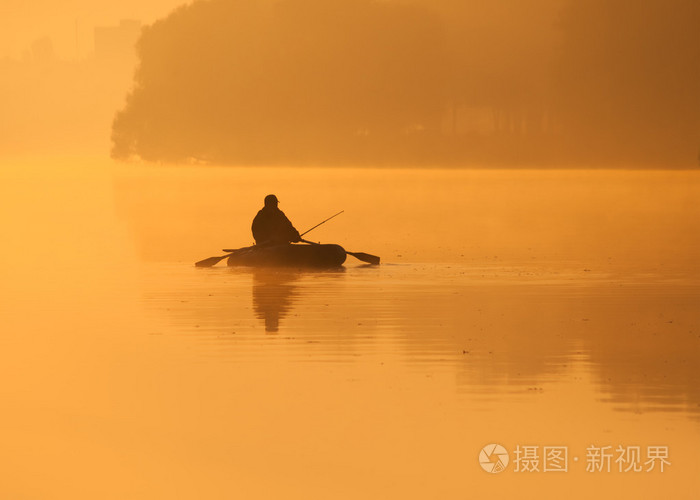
[{"x": 523, "y": 308}]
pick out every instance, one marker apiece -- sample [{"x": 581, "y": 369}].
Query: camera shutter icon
[{"x": 493, "y": 458}]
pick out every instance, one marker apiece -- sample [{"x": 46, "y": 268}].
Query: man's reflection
[{"x": 274, "y": 293}]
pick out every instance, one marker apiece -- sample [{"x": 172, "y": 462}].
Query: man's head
[{"x": 271, "y": 201}]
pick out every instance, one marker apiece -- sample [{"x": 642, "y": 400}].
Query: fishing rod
[{"x": 329, "y": 218}]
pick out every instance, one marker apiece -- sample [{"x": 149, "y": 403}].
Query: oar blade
[
  {"x": 211, "y": 261},
  {"x": 365, "y": 257}
]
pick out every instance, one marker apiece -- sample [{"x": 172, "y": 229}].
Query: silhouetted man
[{"x": 271, "y": 226}]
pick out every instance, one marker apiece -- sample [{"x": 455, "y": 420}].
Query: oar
[
  {"x": 212, "y": 261},
  {"x": 364, "y": 257}
]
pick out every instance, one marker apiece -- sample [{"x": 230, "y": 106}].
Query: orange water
[{"x": 523, "y": 308}]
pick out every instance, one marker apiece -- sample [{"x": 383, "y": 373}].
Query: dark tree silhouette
[
  {"x": 300, "y": 80},
  {"x": 373, "y": 81}
]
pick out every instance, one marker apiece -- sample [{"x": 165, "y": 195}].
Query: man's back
[{"x": 271, "y": 226}]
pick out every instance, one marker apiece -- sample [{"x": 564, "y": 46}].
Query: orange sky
[{"x": 23, "y": 22}]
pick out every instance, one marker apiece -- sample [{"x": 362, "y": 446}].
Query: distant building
[{"x": 117, "y": 41}]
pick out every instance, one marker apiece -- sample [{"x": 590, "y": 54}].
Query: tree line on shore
[{"x": 432, "y": 83}]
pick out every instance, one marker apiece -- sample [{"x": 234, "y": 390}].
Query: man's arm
[{"x": 293, "y": 234}]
